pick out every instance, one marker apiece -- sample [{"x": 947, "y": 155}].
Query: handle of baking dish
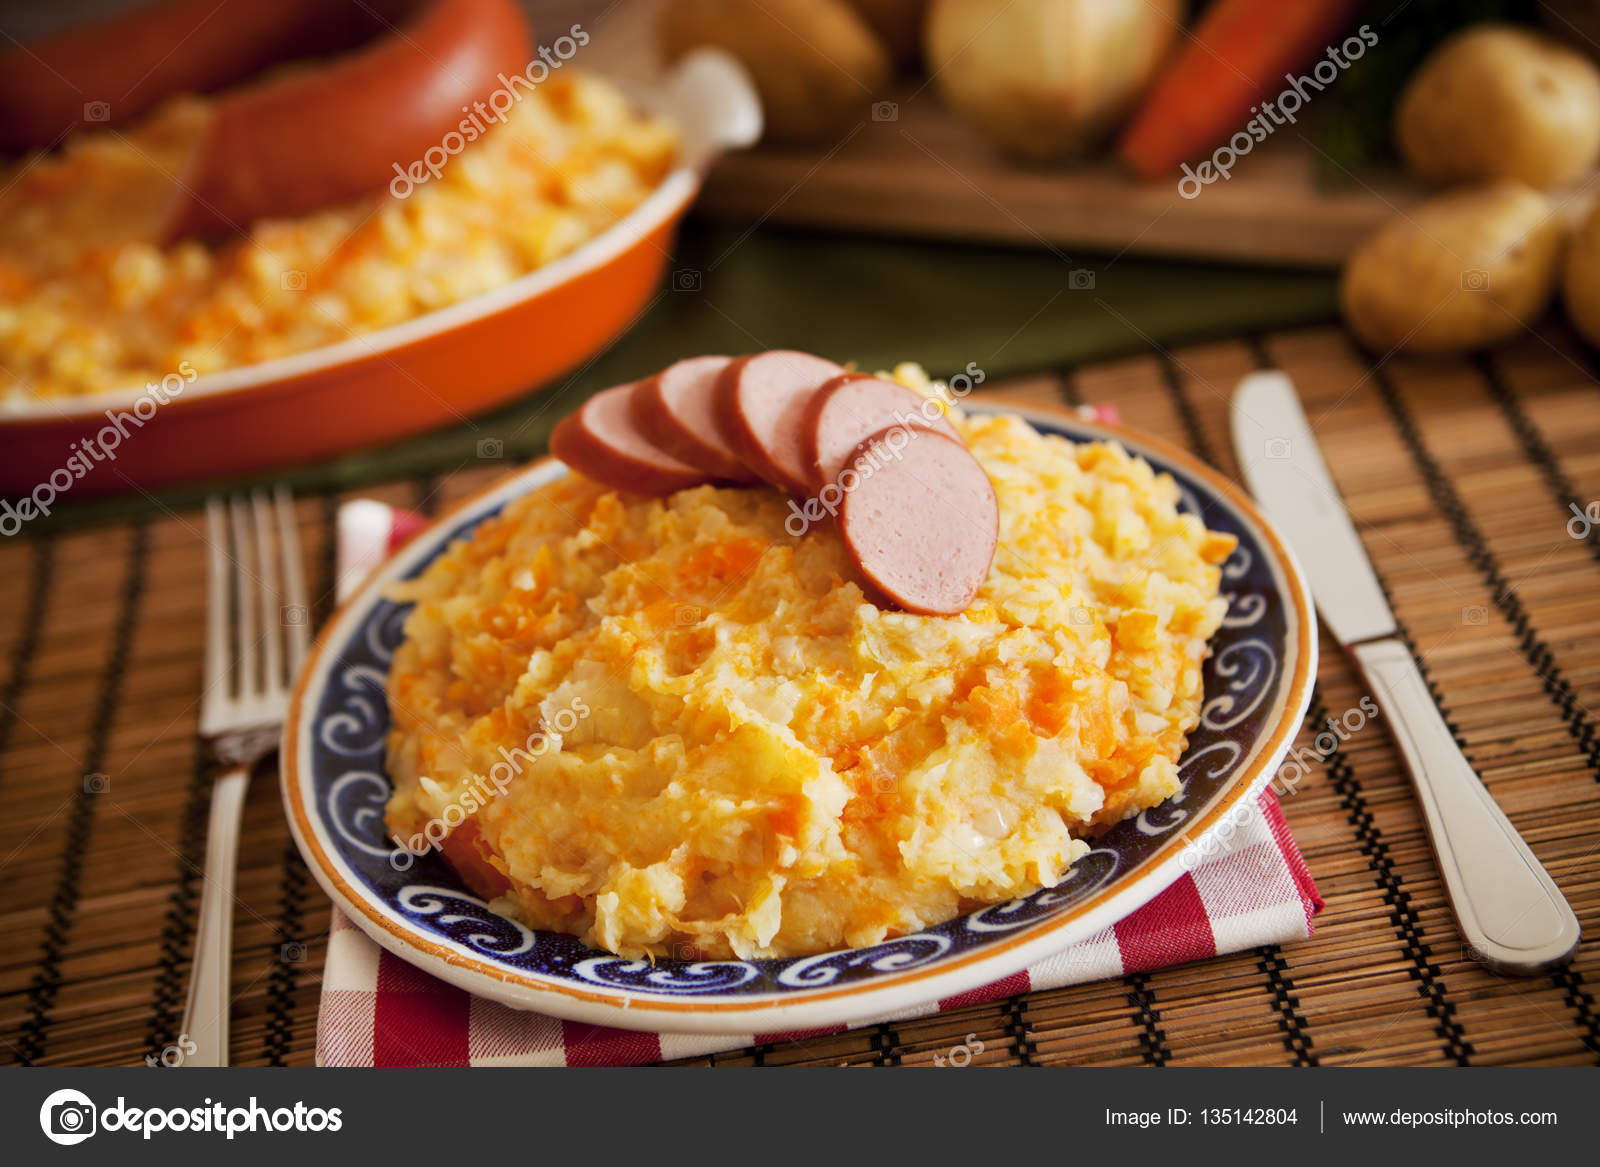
[{"x": 715, "y": 102}]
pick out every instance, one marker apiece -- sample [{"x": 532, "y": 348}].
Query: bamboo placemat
[{"x": 1461, "y": 477}]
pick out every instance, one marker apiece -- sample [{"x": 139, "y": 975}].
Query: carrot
[{"x": 1238, "y": 55}]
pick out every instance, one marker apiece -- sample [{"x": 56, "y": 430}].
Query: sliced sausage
[
  {"x": 921, "y": 521},
  {"x": 676, "y": 409},
  {"x": 853, "y": 407},
  {"x": 761, "y": 403},
  {"x": 601, "y": 441}
]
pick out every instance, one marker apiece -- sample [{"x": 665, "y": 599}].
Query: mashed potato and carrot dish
[
  {"x": 712, "y": 742},
  {"x": 90, "y": 301}
]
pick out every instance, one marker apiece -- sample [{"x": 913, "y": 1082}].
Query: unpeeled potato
[
  {"x": 1580, "y": 282},
  {"x": 1497, "y": 101},
  {"x": 815, "y": 62},
  {"x": 1046, "y": 78},
  {"x": 1462, "y": 271}
]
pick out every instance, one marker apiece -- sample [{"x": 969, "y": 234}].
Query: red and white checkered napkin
[{"x": 379, "y": 1010}]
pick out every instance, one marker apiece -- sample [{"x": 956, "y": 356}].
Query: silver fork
[{"x": 256, "y": 639}]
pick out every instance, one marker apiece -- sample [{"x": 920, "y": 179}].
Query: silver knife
[{"x": 1506, "y": 906}]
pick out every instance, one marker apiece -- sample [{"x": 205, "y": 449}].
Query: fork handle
[
  {"x": 1506, "y": 906},
  {"x": 205, "y": 1018}
]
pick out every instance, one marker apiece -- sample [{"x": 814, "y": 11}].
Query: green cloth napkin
[{"x": 872, "y": 300}]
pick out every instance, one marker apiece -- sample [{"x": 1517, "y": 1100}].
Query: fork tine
[
  {"x": 246, "y": 633},
  {"x": 217, "y": 678},
  {"x": 294, "y": 583},
  {"x": 269, "y": 596}
]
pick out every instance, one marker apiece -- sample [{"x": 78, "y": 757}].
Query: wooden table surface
[{"x": 1461, "y": 477}]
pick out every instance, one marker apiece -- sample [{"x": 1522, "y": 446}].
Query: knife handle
[{"x": 1506, "y": 906}]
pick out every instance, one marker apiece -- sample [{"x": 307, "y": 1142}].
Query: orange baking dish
[{"x": 443, "y": 367}]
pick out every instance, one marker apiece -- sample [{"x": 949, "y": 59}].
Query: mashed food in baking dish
[
  {"x": 89, "y": 303},
  {"x": 712, "y": 742}
]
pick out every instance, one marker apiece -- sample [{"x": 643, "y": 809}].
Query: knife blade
[
  {"x": 1283, "y": 468},
  {"x": 1506, "y": 906}
]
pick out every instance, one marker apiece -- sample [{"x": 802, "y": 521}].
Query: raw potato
[
  {"x": 1467, "y": 269},
  {"x": 1046, "y": 78},
  {"x": 1497, "y": 101},
  {"x": 816, "y": 63},
  {"x": 898, "y": 22},
  {"x": 1580, "y": 284}
]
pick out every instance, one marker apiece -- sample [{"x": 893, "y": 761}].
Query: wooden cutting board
[
  {"x": 926, "y": 173},
  {"x": 915, "y": 169}
]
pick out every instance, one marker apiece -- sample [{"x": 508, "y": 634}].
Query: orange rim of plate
[{"x": 1246, "y": 784}]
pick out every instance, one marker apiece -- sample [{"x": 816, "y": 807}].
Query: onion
[{"x": 1047, "y": 78}]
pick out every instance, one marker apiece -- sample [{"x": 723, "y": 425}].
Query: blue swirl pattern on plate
[{"x": 1241, "y": 678}]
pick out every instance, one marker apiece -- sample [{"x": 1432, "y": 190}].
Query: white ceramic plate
[{"x": 1257, "y": 685}]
